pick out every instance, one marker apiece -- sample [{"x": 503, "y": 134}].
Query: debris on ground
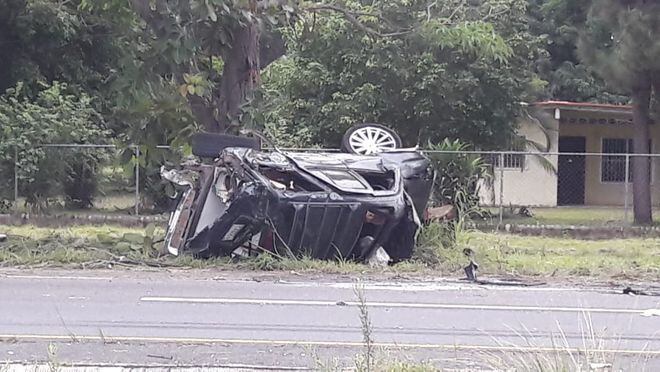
[
  {"x": 3, "y": 237},
  {"x": 639, "y": 292},
  {"x": 378, "y": 258},
  {"x": 651, "y": 312},
  {"x": 441, "y": 214},
  {"x": 472, "y": 267}
]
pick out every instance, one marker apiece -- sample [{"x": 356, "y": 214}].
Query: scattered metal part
[
  {"x": 636, "y": 292},
  {"x": 441, "y": 214},
  {"x": 471, "y": 271},
  {"x": 378, "y": 258},
  {"x": 639, "y": 292},
  {"x": 472, "y": 267},
  {"x": 651, "y": 312},
  {"x": 160, "y": 356},
  {"x": 3, "y": 237}
]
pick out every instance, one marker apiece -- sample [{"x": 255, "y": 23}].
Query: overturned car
[{"x": 321, "y": 205}]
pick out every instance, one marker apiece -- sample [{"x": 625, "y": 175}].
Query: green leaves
[
  {"x": 458, "y": 176},
  {"x": 458, "y": 71},
  {"x": 476, "y": 38},
  {"x": 55, "y": 115},
  {"x": 620, "y": 41},
  {"x": 195, "y": 84}
]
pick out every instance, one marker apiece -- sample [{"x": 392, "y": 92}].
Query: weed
[
  {"x": 53, "y": 362},
  {"x": 593, "y": 355},
  {"x": 365, "y": 362}
]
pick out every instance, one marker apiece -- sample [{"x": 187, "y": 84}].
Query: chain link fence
[
  {"x": 562, "y": 188},
  {"x": 71, "y": 177},
  {"x": 511, "y": 187}
]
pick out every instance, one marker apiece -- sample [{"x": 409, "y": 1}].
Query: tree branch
[
  {"x": 351, "y": 17},
  {"x": 266, "y": 4}
]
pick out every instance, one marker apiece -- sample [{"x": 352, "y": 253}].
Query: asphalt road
[{"x": 180, "y": 318}]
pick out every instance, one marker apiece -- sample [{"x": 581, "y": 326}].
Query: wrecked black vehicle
[{"x": 321, "y": 205}]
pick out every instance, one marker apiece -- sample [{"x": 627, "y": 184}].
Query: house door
[{"x": 571, "y": 171}]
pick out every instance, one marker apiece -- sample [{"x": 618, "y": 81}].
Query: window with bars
[
  {"x": 511, "y": 161},
  {"x": 613, "y": 167}
]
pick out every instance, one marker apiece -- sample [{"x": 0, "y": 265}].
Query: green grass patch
[
  {"x": 571, "y": 216},
  {"x": 543, "y": 256},
  {"x": 498, "y": 254}
]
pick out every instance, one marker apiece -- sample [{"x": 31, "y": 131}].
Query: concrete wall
[
  {"x": 532, "y": 185},
  {"x": 610, "y": 193}
]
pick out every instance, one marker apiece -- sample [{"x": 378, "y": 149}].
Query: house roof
[{"x": 585, "y": 106}]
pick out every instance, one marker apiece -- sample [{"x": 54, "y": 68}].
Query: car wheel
[{"x": 370, "y": 139}]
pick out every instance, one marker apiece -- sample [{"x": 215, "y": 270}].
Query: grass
[
  {"x": 543, "y": 256},
  {"x": 114, "y": 203},
  {"x": 498, "y": 254},
  {"x": 572, "y": 216}
]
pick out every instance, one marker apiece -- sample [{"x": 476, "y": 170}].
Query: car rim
[{"x": 371, "y": 140}]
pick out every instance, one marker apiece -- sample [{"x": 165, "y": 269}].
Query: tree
[
  {"x": 44, "y": 41},
  {"x": 53, "y": 115},
  {"x": 211, "y": 51},
  {"x": 448, "y": 69},
  {"x": 567, "y": 78},
  {"x": 619, "y": 41}
]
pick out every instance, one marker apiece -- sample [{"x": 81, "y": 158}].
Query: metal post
[
  {"x": 15, "y": 175},
  {"x": 501, "y": 187},
  {"x": 137, "y": 180},
  {"x": 625, "y": 197}
]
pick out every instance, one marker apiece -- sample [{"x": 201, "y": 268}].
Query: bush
[
  {"x": 459, "y": 175},
  {"x": 52, "y": 116}
]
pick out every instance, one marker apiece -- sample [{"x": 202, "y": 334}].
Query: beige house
[{"x": 592, "y": 179}]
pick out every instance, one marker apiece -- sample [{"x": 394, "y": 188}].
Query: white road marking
[
  {"x": 388, "y": 345},
  {"x": 55, "y": 277},
  {"x": 247, "y": 301}
]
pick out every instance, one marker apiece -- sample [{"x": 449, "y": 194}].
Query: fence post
[
  {"x": 137, "y": 180},
  {"x": 501, "y": 187},
  {"x": 625, "y": 197},
  {"x": 15, "y": 175}
]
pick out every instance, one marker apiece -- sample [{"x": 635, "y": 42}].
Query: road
[{"x": 151, "y": 317}]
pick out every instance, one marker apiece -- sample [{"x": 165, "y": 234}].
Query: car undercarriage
[{"x": 319, "y": 205}]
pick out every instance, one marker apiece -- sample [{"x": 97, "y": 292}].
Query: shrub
[
  {"x": 459, "y": 175},
  {"x": 52, "y": 116}
]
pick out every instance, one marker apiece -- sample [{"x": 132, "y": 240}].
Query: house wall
[
  {"x": 532, "y": 185},
  {"x": 608, "y": 193}
]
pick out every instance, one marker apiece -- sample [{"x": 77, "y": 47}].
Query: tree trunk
[
  {"x": 239, "y": 76},
  {"x": 641, "y": 96},
  {"x": 203, "y": 112}
]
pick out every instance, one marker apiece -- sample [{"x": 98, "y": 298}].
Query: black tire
[
  {"x": 345, "y": 141},
  {"x": 210, "y": 145}
]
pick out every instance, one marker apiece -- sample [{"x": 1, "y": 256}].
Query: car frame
[{"x": 321, "y": 205}]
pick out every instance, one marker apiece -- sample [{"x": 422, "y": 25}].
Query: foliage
[
  {"x": 459, "y": 174},
  {"x": 619, "y": 42},
  {"x": 54, "y": 116},
  {"x": 193, "y": 48},
  {"x": 458, "y": 69},
  {"x": 45, "y": 40},
  {"x": 154, "y": 71},
  {"x": 565, "y": 76},
  {"x": 459, "y": 179}
]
